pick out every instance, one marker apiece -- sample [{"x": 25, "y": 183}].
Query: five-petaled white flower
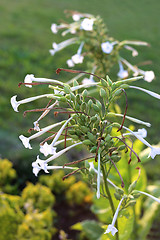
[
  {"x": 87, "y": 24},
  {"x": 107, "y": 47},
  {"x": 38, "y": 165},
  {"x": 47, "y": 149},
  {"x": 154, "y": 151}
]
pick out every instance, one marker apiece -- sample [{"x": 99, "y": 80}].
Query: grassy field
[{"x": 25, "y": 39}]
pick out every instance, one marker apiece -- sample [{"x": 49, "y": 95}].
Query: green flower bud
[
  {"x": 87, "y": 142},
  {"x": 131, "y": 203},
  {"x": 103, "y": 93},
  {"x": 90, "y": 104},
  {"x": 93, "y": 119},
  {"x": 109, "y": 129},
  {"x": 109, "y": 81},
  {"x": 83, "y": 107},
  {"x": 117, "y": 196},
  {"x": 120, "y": 191},
  {"x": 122, "y": 147},
  {"x": 78, "y": 99},
  {"x": 96, "y": 108},
  {"x": 132, "y": 186},
  {"x": 84, "y": 129},
  {"x": 66, "y": 88},
  {"x": 91, "y": 137},
  {"x": 104, "y": 83},
  {"x": 85, "y": 93},
  {"x": 136, "y": 194},
  {"x": 98, "y": 103},
  {"x": 118, "y": 92},
  {"x": 62, "y": 99},
  {"x": 93, "y": 149},
  {"x": 124, "y": 86},
  {"x": 72, "y": 96},
  {"x": 115, "y": 158},
  {"x": 75, "y": 83},
  {"x": 108, "y": 138}
]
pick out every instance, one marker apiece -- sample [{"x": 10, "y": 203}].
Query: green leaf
[{"x": 92, "y": 229}]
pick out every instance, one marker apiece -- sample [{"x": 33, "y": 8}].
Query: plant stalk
[{"x": 109, "y": 198}]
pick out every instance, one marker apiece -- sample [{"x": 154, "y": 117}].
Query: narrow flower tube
[
  {"x": 78, "y": 58},
  {"x": 90, "y": 84},
  {"x": 62, "y": 45},
  {"x": 131, "y": 119},
  {"x": 36, "y": 123},
  {"x": 60, "y": 131},
  {"x": 95, "y": 170},
  {"x": 29, "y": 78},
  {"x": 15, "y": 104},
  {"x": 154, "y": 151},
  {"x": 58, "y": 154},
  {"x": 122, "y": 72},
  {"x": 25, "y": 140},
  {"x": 153, "y": 94},
  {"x": 138, "y": 43},
  {"x": 99, "y": 175},
  {"x": 133, "y": 50},
  {"x": 111, "y": 228},
  {"x": 149, "y": 195}
]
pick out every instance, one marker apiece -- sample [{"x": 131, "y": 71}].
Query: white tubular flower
[
  {"x": 55, "y": 27},
  {"x": 26, "y": 140},
  {"x": 47, "y": 149},
  {"x": 36, "y": 125},
  {"x": 38, "y": 165},
  {"x": 42, "y": 165},
  {"x": 149, "y": 76},
  {"x": 78, "y": 58},
  {"x": 130, "y": 66},
  {"x": 133, "y": 50},
  {"x": 62, "y": 45},
  {"x": 154, "y": 151},
  {"x": 76, "y": 17},
  {"x": 153, "y": 94},
  {"x": 107, "y": 47},
  {"x": 70, "y": 63},
  {"x": 111, "y": 228},
  {"x": 60, "y": 132},
  {"x": 99, "y": 175},
  {"x": 141, "y": 132},
  {"x": 15, "y": 104},
  {"x": 91, "y": 164},
  {"x": 29, "y": 78},
  {"x": 58, "y": 154},
  {"x": 87, "y": 24},
  {"x": 122, "y": 73},
  {"x": 132, "y": 119},
  {"x": 138, "y": 43},
  {"x": 149, "y": 195}
]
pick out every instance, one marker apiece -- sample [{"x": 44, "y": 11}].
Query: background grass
[{"x": 25, "y": 39}]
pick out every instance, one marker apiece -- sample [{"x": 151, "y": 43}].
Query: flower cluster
[
  {"x": 88, "y": 123},
  {"x": 101, "y": 50}
]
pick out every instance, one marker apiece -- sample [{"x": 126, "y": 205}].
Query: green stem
[{"x": 109, "y": 198}]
